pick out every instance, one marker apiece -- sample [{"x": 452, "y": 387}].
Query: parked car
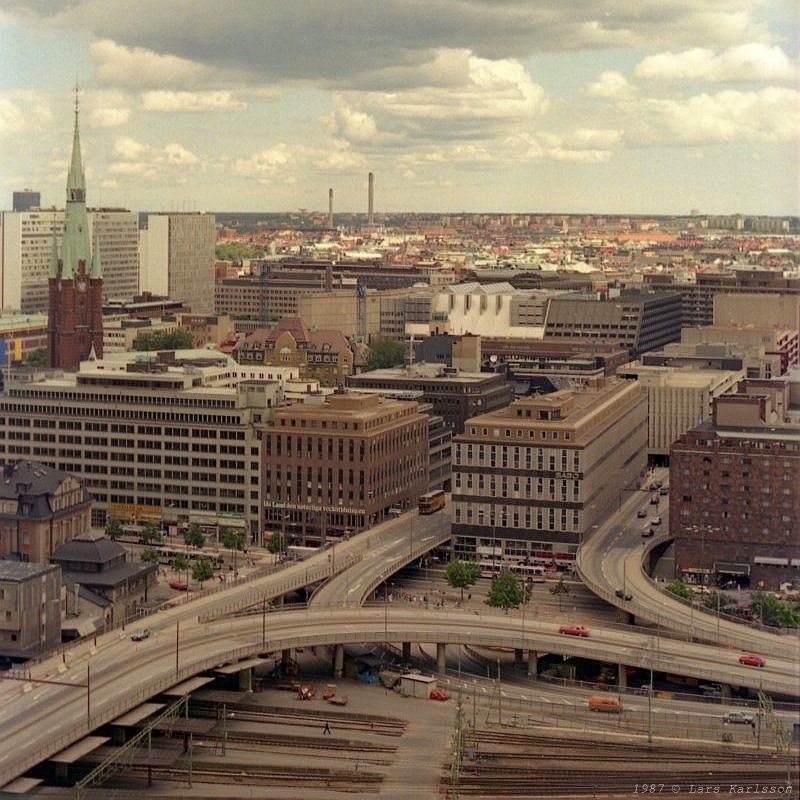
[
  {"x": 739, "y": 718},
  {"x": 140, "y": 635},
  {"x": 641, "y": 513},
  {"x": 574, "y": 630},
  {"x": 752, "y": 660},
  {"x": 664, "y": 491},
  {"x": 655, "y": 485},
  {"x": 655, "y": 521},
  {"x": 654, "y": 500},
  {"x": 623, "y": 595},
  {"x": 647, "y": 533}
]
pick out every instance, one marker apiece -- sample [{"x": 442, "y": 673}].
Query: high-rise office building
[
  {"x": 177, "y": 258},
  {"x": 26, "y": 243},
  {"x": 26, "y": 200},
  {"x": 532, "y": 479}
]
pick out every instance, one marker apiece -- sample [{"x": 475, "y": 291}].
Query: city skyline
[{"x": 455, "y": 106}]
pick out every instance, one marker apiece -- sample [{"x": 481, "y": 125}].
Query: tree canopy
[
  {"x": 506, "y": 592},
  {"x": 150, "y": 556},
  {"x": 150, "y": 533},
  {"x": 385, "y": 353},
  {"x": 233, "y": 540},
  {"x": 194, "y": 536},
  {"x": 770, "y": 610},
  {"x": 238, "y": 251},
  {"x": 37, "y": 357},
  {"x": 180, "y": 563},
  {"x": 202, "y": 570},
  {"x": 461, "y": 574},
  {"x": 276, "y": 544},
  {"x": 159, "y": 340},
  {"x": 680, "y": 589},
  {"x": 113, "y": 529}
]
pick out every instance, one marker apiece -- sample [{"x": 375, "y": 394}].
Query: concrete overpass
[
  {"x": 613, "y": 557},
  {"x": 42, "y": 718},
  {"x": 72, "y": 692}
]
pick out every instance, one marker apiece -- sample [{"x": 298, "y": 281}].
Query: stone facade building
[
  {"x": 335, "y": 464},
  {"x": 40, "y": 509},
  {"x": 532, "y": 479}
]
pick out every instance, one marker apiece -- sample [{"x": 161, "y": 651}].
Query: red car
[
  {"x": 574, "y": 630},
  {"x": 752, "y": 660}
]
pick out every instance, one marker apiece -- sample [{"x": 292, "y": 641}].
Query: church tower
[{"x": 75, "y": 310}]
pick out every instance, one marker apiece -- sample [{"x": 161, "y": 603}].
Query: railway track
[
  {"x": 305, "y": 717},
  {"x": 498, "y": 764}
]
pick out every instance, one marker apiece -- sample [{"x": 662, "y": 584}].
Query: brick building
[
  {"x": 456, "y": 396},
  {"x": 734, "y": 503},
  {"x": 335, "y": 464},
  {"x": 75, "y": 285}
]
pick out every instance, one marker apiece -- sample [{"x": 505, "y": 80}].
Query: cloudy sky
[{"x": 610, "y": 106}]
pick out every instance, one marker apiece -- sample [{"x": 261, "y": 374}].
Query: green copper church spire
[{"x": 75, "y": 245}]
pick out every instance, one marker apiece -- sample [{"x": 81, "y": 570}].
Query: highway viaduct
[{"x": 98, "y": 680}]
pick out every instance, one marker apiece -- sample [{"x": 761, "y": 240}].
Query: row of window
[{"x": 520, "y": 517}]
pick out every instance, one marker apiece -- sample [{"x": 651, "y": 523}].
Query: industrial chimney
[
  {"x": 370, "y": 199},
  {"x": 330, "y": 208}
]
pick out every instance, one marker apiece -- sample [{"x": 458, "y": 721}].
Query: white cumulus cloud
[
  {"x": 202, "y": 101},
  {"x": 768, "y": 115},
  {"x": 751, "y": 62},
  {"x": 611, "y": 85},
  {"x": 108, "y": 117},
  {"x": 117, "y": 65}
]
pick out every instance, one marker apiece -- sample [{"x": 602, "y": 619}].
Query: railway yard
[{"x": 271, "y": 743}]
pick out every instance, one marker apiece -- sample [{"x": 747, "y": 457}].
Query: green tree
[
  {"x": 505, "y": 592},
  {"x": 150, "y": 556},
  {"x": 716, "y": 601},
  {"x": 276, "y": 544},
  {"x": 559, "y": 588},
  {"x": 461, "y": 574},
  {"x": 37, "y": 357},
  {"x": 150, "y": 533},
  {"x": 769, "y": 610},
  {"x": 194, "y": 536},
  {"x": 680, "y": 589},
  {"x": 159, "y": 340},
  {"x": 181, "y": 564},
  {"x": 238, "y": 251},
  {"x": 113, "y": 529},
  {"x": 385, "y": 353},
  {"x": 234, "y": 541},
  {"x": 202, "y": 570}
]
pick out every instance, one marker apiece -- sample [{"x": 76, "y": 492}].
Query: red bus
[{"x": 431, "y": 502}]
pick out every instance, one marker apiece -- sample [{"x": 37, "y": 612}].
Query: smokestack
[
  {"x": 370, "y": 198},
  {"x": 330, "y": 208}
]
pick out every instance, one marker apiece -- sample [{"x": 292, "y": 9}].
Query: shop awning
[{"x": 731, "y": 568}]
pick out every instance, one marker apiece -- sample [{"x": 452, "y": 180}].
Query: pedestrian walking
[{"x": 326, "y": 729}]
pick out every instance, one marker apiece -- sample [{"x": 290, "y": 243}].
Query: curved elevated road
[
  {"x": 612, "y": 559},
  {"x": 39, "y": 719}
]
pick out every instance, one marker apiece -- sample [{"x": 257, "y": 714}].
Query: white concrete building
[
  {"x": 494, "y": 309},
  {"x": 678, "y": 399},
  {"x": 177, "y": 258},
  {"x": 26, "y": 243}
]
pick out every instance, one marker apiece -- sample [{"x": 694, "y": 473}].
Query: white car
[
  {"x": 739, "y": 717},
  {"x": 655, "y": 521}
]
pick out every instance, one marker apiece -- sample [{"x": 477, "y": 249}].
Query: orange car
[{"x": 574, "y": 630}]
